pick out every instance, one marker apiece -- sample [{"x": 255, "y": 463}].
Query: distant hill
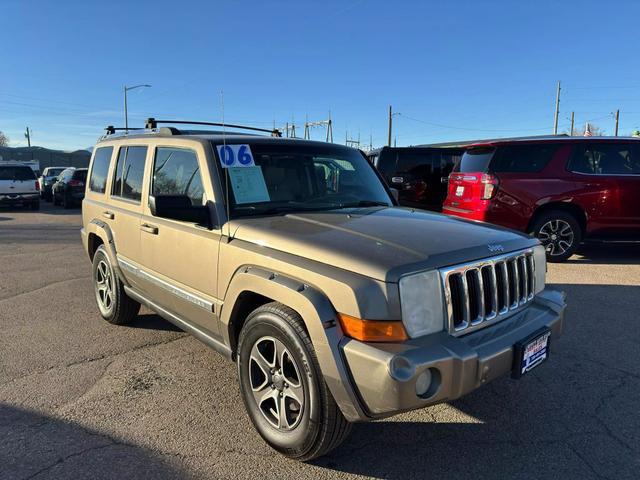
[{"x": 46, "y": 156}]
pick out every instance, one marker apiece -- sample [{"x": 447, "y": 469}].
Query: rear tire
[
  {"x": 66, "y": 201},
  {"x": 277, "y": 365},
  {"x": 54, "y": 198},
  {"x": 559, "y": 232},
  {"x": 114, "y": 304}
]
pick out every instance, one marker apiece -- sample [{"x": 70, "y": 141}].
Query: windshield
[
  {"x": 16, "y": 173},
  {"x": 284, "y": 178},
  {"x": 476, "y": 160}
]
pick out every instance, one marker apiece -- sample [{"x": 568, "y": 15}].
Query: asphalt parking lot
[{"x": 80, "y": 398}]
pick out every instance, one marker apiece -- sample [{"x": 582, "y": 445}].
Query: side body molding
[{"x": 319, "y": 317}]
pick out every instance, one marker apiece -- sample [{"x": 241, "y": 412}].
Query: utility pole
[
  {"x": 572, "y": 115},
  {"x": 390, "y": 126},
  {"x": 28, "y": 137},
  {"x": 617, "y": 121},
  {"x": 555, "y": 120}
]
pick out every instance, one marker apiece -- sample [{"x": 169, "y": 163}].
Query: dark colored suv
[
  {"x": 561, "y": 189},
  {"x": 418, "y": 173},
  {"x": 69, "y": 189}
]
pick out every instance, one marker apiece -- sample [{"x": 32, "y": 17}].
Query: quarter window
[
  {"x": 176, "y": 172},
  {"x": 606, "y": 159},
  {"x": 100, "y": 169},
  {"x": 129, "y": 173},
  {"x": 523, "y": 158}
]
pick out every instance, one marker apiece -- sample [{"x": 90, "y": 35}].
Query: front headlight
[
  {"x": 540, "y": 261},
  {"x": 421, "y": 303}
]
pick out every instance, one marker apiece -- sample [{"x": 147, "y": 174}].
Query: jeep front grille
[{"x": 480, "y": 293}]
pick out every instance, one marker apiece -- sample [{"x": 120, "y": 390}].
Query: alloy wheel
[
  {"x": 276, "y": 383},
  {"x": 557, "y": 236},
  {"x": 104, "y": 285}
]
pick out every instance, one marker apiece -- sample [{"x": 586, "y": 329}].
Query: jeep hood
[{"x": 381, "y": 242}]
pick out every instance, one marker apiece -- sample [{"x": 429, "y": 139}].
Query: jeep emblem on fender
[{"x": 495, "y": 248}]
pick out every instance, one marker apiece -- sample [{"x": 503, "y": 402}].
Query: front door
[{"x": 181, "y": 258}]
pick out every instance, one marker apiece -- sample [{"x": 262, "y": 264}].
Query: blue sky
[{"x": 454, "y": 70}]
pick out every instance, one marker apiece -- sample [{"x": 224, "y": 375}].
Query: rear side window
[
  {"x": 176, "y": 172},
  {"x": 17, "y": 173},
  {"x": 129, "y": 173},
  {"x": 523, "y": 158},
  {"x": 100, "y": 169},
  {"x": 411, "y": 161},
  {"x": 476, "y": 160},
  {"x": 606, "y": 159}
]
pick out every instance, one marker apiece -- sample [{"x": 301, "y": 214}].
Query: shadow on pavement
[
  {"x": 35, "y": 445},
  {"x": 574, "y": 417},
  {"x": 151, "y": 321},
  {"x": 608, "y": 254}
]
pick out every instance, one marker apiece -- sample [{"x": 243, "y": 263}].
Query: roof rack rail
[
  {"x": 152, "y": 123},
  {"x": 111, "y": 129}
]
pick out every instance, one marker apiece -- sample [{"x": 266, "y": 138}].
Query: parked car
[
  {"x": 18, "y": 185},
  {"x": 68, "y": 190},
  {"x": 563, "y": 190},
  {"x": 290, "y": 258},
  {"x": 419, "y": 174},
  {"x": 47, "y": 179}
]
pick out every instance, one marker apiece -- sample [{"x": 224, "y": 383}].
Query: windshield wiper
[
  {"x": 288, "y": 208},
  {"x": 364, "y": 203}
]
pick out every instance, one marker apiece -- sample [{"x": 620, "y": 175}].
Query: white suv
[{"x": 19, "y": 186}]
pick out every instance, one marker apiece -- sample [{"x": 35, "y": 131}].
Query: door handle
[
  {"x": 444, "y": 179},
  {"x": 108, "y": 214},
  {"x": 397, "y": 179},
  {"x": 152, "y": 229}
]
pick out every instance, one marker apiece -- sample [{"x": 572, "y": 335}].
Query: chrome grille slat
[{"x": 507, "y": 285}]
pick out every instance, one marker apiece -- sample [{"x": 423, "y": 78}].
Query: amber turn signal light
[{"x": 372, "y": 330}]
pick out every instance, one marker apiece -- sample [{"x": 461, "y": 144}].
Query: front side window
[
  {"x": 606, "y": 159},
  {"x": 129, "y": 173},
  {"x": 286, "y": 178},
  {"x": 176, "y": 172},
  {"x": 100, "y": 169}
]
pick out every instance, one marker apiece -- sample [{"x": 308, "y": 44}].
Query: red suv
[{"x": 562, "y": 190}]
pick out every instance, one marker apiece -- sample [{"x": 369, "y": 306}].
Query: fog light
[{"x": 423, "y": 382}]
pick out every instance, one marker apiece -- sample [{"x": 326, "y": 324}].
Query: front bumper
[
  {"x": 16, "y": 198},
  {"x": 385, "y": 375}
]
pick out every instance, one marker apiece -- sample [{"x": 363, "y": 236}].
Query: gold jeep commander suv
[{"x": 292, "y": 259}]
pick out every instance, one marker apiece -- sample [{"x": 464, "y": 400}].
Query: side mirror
[
  {"x": 396, "y": 194},
  {"x": 179, "y": 207}
]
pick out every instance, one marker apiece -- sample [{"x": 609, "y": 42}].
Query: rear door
[{"x": 611, "y": 171}]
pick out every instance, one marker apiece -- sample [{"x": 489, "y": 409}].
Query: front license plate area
[{"x": 530, "y": 352}]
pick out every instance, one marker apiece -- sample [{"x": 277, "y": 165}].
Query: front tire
[
  {"x": 114, "y": 304},
  {"x": 282, "y": 386},
  {"x": 560, "y": 234}
]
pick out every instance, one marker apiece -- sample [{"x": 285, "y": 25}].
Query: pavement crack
[
  {"x": 43, "y": 287},
  {"x": 72, "y": 455},
  {"x": 85, "y": 361}
]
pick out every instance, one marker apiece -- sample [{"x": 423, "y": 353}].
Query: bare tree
[
  {"x": 578, "y": 130},
  {"x": 4, "y": 140}
]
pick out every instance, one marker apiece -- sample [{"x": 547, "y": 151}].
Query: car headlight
[
  {"x": 421, "y": 303},
  {"x": 540, "y": 261}
]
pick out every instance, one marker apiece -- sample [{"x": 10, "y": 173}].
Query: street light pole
[{"x": 126, "y": 116}]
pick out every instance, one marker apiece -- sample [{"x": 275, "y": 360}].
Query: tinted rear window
[
  {"x": 476, "y": 160},
  {"x": 100, "y": 169},
  {"x": 523, "y": 158},
  {"x": 17, "y": 173}
]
